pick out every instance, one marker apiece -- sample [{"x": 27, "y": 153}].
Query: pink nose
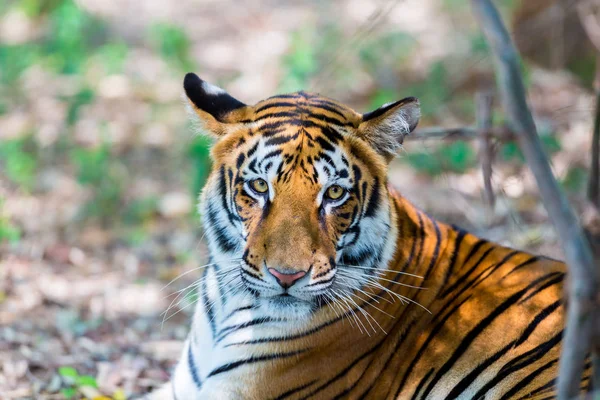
[{"x": 286, "y": 280}]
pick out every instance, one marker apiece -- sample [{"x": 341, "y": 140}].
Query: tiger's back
[{"x": 325, "y": 283}]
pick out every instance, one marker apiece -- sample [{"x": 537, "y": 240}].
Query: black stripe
[
  {"x": 273, "y": 105},
  {"x": 208, "y": 306},
  {"x": 224, "y": 195},
  {"x": 328, "y": 106},
  {"x": 224, "y": 242},
  {"x": 457, "y": 242},
  {"x": 547, "y": 386},
  {"x": 531, "y": 356},
  {"x": 523, "y": 264},
  {"x": 421, "y": 237},
  {"x": 327, "y": 159},
  {"x": 413, "y": 247},
  {"x": 422, "y": 383},
  {"x": 253, "y": 149},
  {"x": 344, "y": 371},
  {"x": 273, "y": 128},
  {"x": 223, "y": 333},
  {"x": 558, "y": 277},
  {"x": 294, "y": 390},
  {"x": 288, "y": 337},
  {"x": 279, "y": 114},
  {"x": 253, "y": 360},
  {"x": 193, "y": 369},
  {"x": 281, "y": 139},
  {"x": 378, "y": 346},
  {"x": 542, "y": 315},
  {"x": 474, "y": 250},
  {"x": 324, "y": 143},
  {"x": 285, "y": 96},
  {"x": 240, "y": 160},
  {"x": 474, "y": 333},
  {"x": 239, "y": 309},
  {"x": 373, "y": 204},
  {"x": 463, "y": 277},
  {"x": 436, "y": 250},
  {"x": 527, "y": 380},
  {"x": 461, "y": 386},
  {"x": 425, "y": 344},
  {"x": 270, "y": 154},
  {"x": 489, "y": 271},
  {"x": 330, "y": 120}
]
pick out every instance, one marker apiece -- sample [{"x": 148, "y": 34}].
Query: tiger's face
[{"x": 296, "y": 207}]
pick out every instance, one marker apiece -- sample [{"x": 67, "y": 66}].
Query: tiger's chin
[{"x": 287, "y": 307}]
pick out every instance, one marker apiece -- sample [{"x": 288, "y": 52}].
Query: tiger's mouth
[
  {"x": 287, "y": 306},
  {"x": 284, "y": 299}
]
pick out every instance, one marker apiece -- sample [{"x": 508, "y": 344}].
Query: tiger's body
[{"x": 325, "y": 283}]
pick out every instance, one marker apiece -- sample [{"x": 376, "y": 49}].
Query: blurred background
[{"x": 99, "y": 169}]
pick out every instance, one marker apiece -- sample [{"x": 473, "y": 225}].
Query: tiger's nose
[{"x": 286, "y": 280}]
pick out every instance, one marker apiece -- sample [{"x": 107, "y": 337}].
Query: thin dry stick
[
  {"x": 594, "y": 182},
  {"x": 484, "y": 101},
  {"x": 502, "y": 134},
  {"x": 583, "y": 283}
]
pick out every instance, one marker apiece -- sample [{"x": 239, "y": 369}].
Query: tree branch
[
  {"x": 502, "y": 134},
  {"x": 594, "y": 179},
  {"x": 583, "y": 282},
  {"x": 484, "y": 101}
]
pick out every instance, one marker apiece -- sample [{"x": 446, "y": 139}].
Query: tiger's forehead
[
  {"x": 299, "y": 134},
  {"x": 306, "y": 106}
]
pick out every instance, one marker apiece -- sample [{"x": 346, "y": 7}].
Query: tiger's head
[{"x": 297, "y": 201}]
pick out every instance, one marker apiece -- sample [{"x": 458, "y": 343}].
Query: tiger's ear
[
  {"x": 217, "y": 111},
  {"x": 386, "y": 127}
]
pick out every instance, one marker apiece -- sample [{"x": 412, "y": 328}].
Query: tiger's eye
[
  {"x": 260, "y": 185},
  {"x": 334, "y": 192}
]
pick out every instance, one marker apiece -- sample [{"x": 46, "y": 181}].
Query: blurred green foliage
[
  {"x": 20, "y": 161},
  {"x": 575, "y": 181},
  {"x": 173, "y": 44},
  {"x": 455, "y": 157},
  {"x": 8, "y": 231},
  {"x": 300, "y": 63},
  {"x": 72, "y": 35},
  {"x": 510, "y": 152},
  {"x": 73, "y": 42},
  {"x": 199, "y": 154},
  {"x": 73, "y": 32},
  {"x": 105, "y": 177},
  {"x": 73, "y": 382}
]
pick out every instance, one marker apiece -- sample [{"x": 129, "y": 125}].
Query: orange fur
[{"x": 450, "y": 316}]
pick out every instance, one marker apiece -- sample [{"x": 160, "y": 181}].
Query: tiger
[{"x": 324, "y": 282}]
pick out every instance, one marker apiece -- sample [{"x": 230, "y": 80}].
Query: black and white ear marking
[
  {"x": 209, "y": 98},
  {"x": 386, "y": 127}
]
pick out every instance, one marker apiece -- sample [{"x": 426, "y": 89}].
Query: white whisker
[
  {"x": 349, "y": 275},
  {"x": 197, "y": 268},
  {"x": 381, "y": 271}
]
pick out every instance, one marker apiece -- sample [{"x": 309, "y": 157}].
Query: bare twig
[
  {"x": 484, "y": 101},
  {"x": 583, "y": 282},
  {"x": 594, "y": 180},
  {"x": 502, "y": 134}
]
